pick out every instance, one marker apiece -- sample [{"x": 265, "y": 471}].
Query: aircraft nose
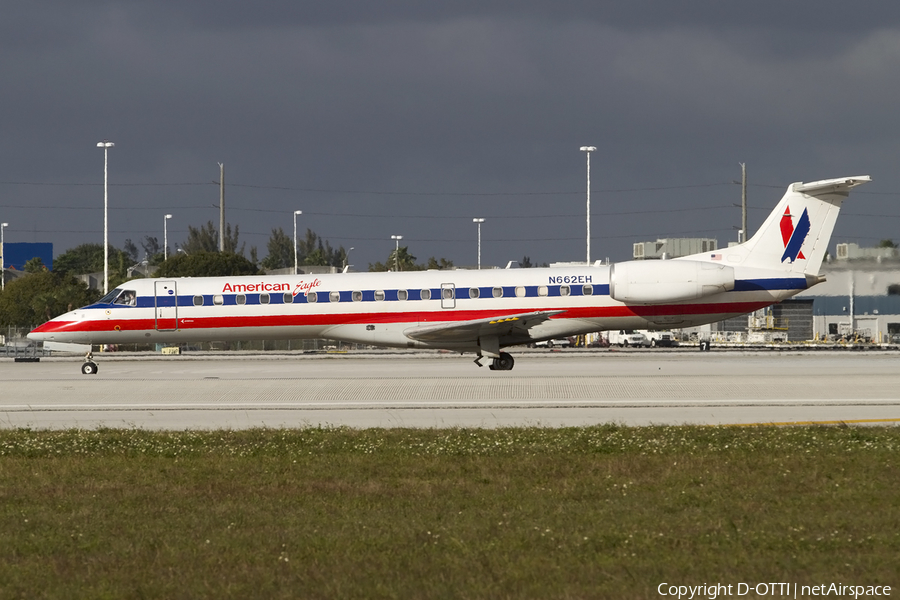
[{"x": 54, "y": 329}]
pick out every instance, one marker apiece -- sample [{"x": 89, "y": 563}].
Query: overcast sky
[{"x": 411, "y": 118}]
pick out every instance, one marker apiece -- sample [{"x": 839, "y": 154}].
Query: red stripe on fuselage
[{"x": 439, "y": 316}]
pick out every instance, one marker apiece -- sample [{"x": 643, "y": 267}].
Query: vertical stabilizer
[{"x": 795, "y": 236}]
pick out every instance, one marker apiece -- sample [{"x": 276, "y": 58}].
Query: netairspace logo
[{"x": 779, "y": 589}]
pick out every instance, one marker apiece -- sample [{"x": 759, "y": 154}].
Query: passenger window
[
  {"x": 426, "y": 294},
  {"x": 218, "y": 300},
  {"x": 198, "y": 300},
  {"x": 542, "y": 290},
  {"x": 240, "y": 299},
  {"x": 473, "y": 292},
  {"x": 263, "y": 298},
  {"x": 447, "y": 293},
  {"x": 334, "y": 296},
  {"x": 311, "y": 297},
  {"x": 379, "y": 295},
  {"x": 563, "y": 290},
  {"x": 497, "y": 292},
  {"x": 288, "y": 298},
  {"x": 588, "y": 290},
  {"x": 520, "y": 291},
  {"x": 356, "y": 296},
  {"x": 402, "y": 294}
]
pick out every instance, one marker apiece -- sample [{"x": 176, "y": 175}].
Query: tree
[
  {"x": 130, "y": 250},
  {"x": 150, "y": 245},
  {"x": 525, "y": 263},
  {"x": 153, "y": 252},
  {"x": 886, "y": 244},
  {"x": 443, "y": 264},
  {"x": 206, "y": 264},
  {"x": 313, "y": 250},
  {"x": 317, "y": 258},
  {"x": 399, "y": 259},
  {"x": 206, "y": 239},
  {"x": 35, "y": 265},
  {"x": 39, "y": 297},
  {"x": 281, "y": 251},
  {"x": 407, "y": 262},
  {"x": 88, "y": 258}
]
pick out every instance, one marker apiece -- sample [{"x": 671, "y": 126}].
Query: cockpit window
[
  {"x": 108, "y": 299},
  {"x": 127, "y": 298}
]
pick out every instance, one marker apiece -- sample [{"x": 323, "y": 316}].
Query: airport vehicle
[
  {"x": 483, "y": 311},
  {"x": 628, "y": 337},
  {"x": 662, "y": 339},
  {"x": 557, "y": 343}
]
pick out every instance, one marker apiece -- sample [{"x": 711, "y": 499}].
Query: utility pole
[
  {"x": 743, "y": 202},
  {"x": 221, "y": 207}
]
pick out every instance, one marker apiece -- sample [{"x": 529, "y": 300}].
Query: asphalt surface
[{"x": 394, "y": 389}]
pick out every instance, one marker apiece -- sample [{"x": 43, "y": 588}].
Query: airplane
[{"x": 474, "y": 311}]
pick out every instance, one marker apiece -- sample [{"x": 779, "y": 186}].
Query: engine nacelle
[{"x": 660, "y": 281}]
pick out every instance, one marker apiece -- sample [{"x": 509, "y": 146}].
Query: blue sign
[{"x": 15, "y": 255}]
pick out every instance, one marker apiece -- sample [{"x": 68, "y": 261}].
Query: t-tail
[{"x": 795, "y": 236}]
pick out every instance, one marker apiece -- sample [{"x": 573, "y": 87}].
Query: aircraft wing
[{"x": 465, "y": 331}]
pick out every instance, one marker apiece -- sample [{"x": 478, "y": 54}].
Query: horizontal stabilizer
[{"x": 831, "y": 186}]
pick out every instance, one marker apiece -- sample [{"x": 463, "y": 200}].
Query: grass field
[{"x": 600, "y": 512}]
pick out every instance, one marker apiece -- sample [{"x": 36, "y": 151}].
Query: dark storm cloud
[{"x": 437, "y": 100}]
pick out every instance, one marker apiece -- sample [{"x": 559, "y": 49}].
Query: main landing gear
[
  {"x": 504, "y": 363},
  {"x": 89, "y": 367}
]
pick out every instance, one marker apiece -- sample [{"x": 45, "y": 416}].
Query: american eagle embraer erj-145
[{"x": 483, "y": 311}]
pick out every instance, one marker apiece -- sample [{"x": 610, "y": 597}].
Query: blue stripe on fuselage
[{"x": 462, "y": 293}]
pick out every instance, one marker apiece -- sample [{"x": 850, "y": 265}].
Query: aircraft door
[
  {"x": 448, "y": 295},
  {"x": 166, "y": 306}
]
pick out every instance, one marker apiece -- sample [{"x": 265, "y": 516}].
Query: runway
[{"x": 393, "y": 389}]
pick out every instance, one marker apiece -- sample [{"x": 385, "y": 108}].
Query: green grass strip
[{"x": 596, "y": 512}]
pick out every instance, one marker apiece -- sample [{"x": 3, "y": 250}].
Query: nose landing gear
[{"x": 89, "y": 367}]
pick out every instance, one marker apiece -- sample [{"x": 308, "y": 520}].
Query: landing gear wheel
[
  {"x": 504, "y": 363},
  {"x": 89, "y": 368}
]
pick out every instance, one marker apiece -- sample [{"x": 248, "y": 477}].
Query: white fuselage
[{"x": 381, "y": 308}]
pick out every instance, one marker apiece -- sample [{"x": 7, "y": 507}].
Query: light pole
[
  {"x": 347, "y": 257},
  {"x": 296, "y": 212},
  {"x": 106, "y": 145},
  {"x": 397, "y": 238},
  {"x": 479, "y": 221},
  {"x": 2, "y": 258},
  {"x": 587, "y": 150},
  {"x": 166, "y": 237}
]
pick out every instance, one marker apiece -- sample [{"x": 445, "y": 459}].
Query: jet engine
[{"x": 661, "y": 281}]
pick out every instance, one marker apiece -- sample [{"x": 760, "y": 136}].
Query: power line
[{"x": 371, "y": 192}]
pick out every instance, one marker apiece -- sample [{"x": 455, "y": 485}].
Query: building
[{"x": 673, "y": 248}]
